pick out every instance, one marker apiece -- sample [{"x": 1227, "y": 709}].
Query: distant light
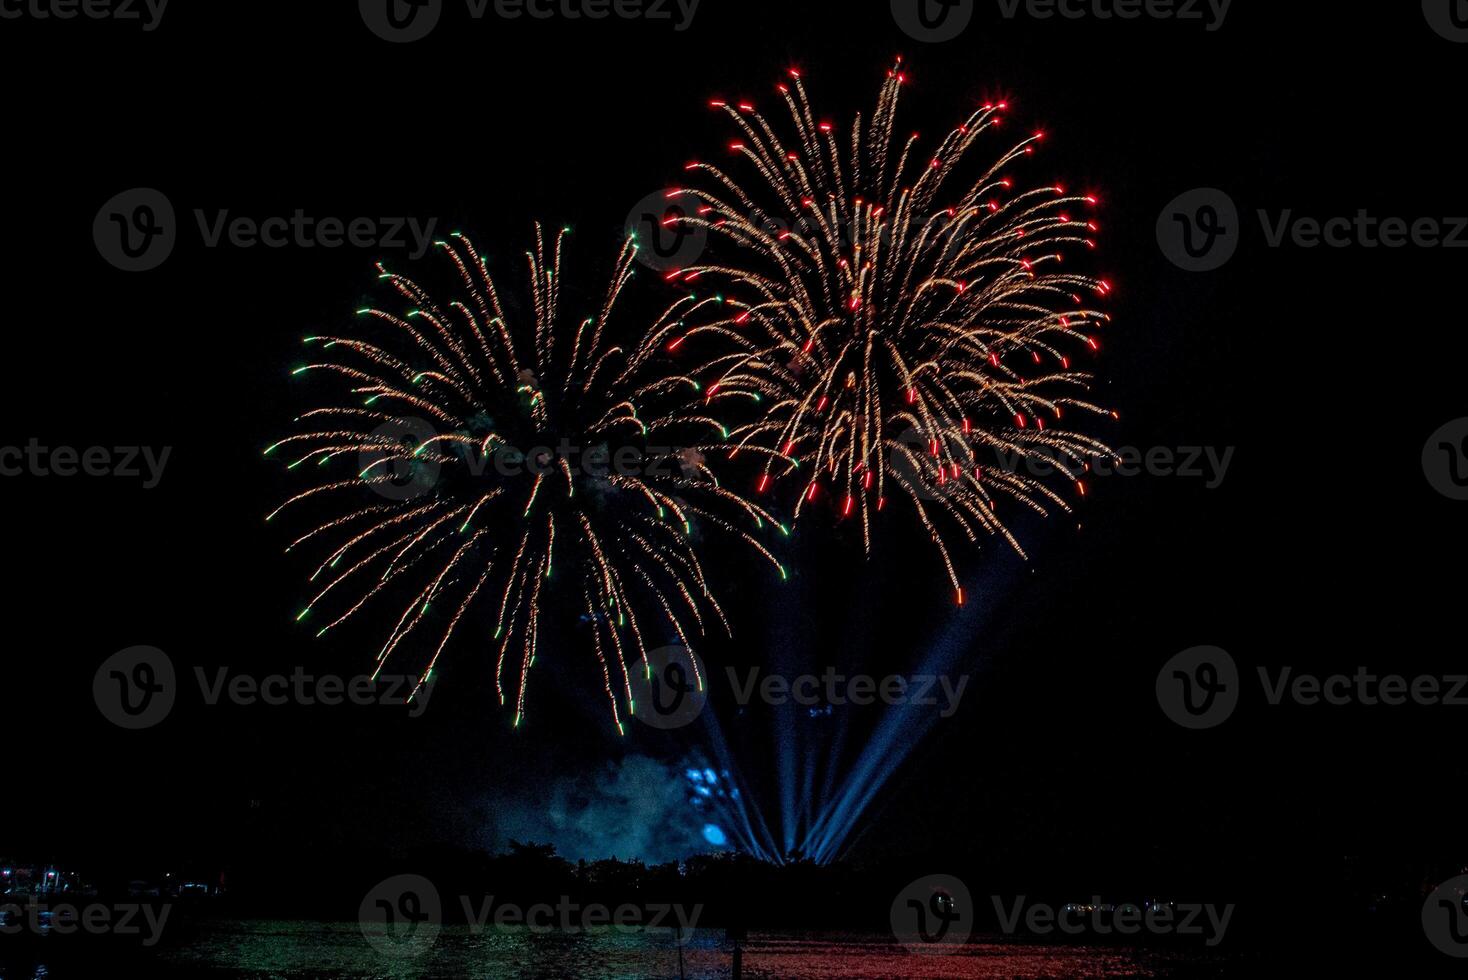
[{"x": 715, "y": 835}]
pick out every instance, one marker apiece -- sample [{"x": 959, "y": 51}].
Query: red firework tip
[
  {"x": 736, "y": 147},
  {"x": 745, "y": 107},
  {"x": 850, "y": 503},
  {"x": 789, "y": 447},
  {"x": 821, "y": 405},
  {"x": 1092, "y": 199},
  {"x": 743, "y": 317},
  {"x": 811, "y": 493},
  {"x": 717, "y": 104},
  {"x": 960, "y": 597},
  {"x": 866, "y": 481},
  {"x": 692, "y": 165},
  {"x": 676, "y": 344},
  {"x": 1080, "y": 488},
  {"x": 881, "y": 504},
  {"x": 795, "y": 73},
  {"x": 673, "y": 275},
  {"x": 1020, "y": 421},
  {"x": 1104, "y": 287},
  {"x": 764, "y": 483},
  {"x": 783, "y": 89},
  {"x": 826, "y": 127}
]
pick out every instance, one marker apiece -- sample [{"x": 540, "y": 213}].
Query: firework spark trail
[
  {"x": 890, "y": 323},
  {"x": 443, "y": 387}
]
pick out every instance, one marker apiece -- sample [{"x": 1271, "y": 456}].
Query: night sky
[{"x": 1326, "y": 369}]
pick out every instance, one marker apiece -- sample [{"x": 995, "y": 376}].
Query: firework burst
[
  {"x": 503, "y": 467},
  {"x": 893, "y": 326}
]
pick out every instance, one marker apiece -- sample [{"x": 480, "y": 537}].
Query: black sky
[{"x": 1326, "y": 369}]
